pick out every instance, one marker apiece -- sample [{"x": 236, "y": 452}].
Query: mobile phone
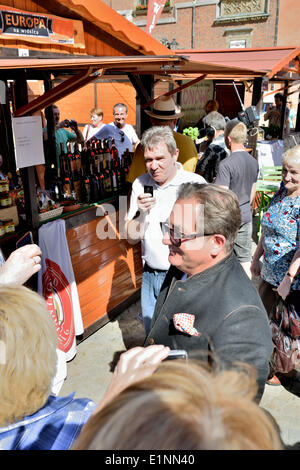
[
  {"x": 148, "y": 189},
  {"x": 27, "y": 239},
  {"x": 177, "y": 354}
]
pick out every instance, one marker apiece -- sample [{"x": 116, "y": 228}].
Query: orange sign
[{"x": 36, "y": 27}]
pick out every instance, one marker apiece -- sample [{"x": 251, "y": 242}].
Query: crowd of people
[{"x": 194, "y": 221}]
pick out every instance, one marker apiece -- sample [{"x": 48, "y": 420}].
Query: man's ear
[
  {"x": 228, "y": 141},
  {"x": 218, "y": 242},
  {"x": 176, "y": 154}
]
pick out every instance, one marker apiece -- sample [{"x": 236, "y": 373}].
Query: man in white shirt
[
  {"x": 146, "y": 212},
  {"x": 120, "y": 112}
]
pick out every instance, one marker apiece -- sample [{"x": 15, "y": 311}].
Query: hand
[
  {"x": 145, "y": 202},
  {"x": 64, "y": 123},
  {"x": 134, "y": 365},
  {"x": 255, "y": 267},
  {"x": 21, "y": 265},
  {"x": 284, "y": 287},
  {"x": 73, "y": 125}
]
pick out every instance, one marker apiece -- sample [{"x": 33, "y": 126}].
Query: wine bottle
[
  {"x": 107, "y": 180},
  {"x": 106, "y": 152},
  {"x": 114, "y": 151},
  {"x": 113, "y": 177}
]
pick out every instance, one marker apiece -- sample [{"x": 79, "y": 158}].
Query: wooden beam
[
  {"x": 28, "y": 173},
  {"x": 59, "y": 92},
  {"x": 176, "y": 90}
]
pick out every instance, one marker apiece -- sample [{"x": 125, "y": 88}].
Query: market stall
[{"x": 39, "y": 45}]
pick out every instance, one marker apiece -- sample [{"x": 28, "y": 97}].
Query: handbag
[{"x": 285, "y": 327}]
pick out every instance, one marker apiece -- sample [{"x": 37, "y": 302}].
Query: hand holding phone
[
  {"x": 177, "y": 354},
  {"x": 148, "y": 189},
  {"x": 146, "y": 200}
]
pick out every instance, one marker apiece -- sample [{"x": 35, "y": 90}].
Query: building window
[
  {"x": 238, "y": 38},
  {"x": 239, "y": 10}
]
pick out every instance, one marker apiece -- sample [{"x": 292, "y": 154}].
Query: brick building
[{"x": 209, "y": 24}]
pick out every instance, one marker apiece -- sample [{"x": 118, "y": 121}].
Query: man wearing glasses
[
  {"x": 207, "y": 305},
  {"x": 163, "y": 178}
]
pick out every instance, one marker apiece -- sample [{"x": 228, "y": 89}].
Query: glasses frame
[{"x": 165, "y": 227}]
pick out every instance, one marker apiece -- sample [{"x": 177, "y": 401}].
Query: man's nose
[
  {"x": 154, "y": 165},
  {"x": 166, "y": 238}
]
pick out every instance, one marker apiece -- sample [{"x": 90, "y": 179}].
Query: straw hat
[{"x": 164, "y": 108}]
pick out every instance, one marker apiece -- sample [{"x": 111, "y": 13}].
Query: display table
[{"x": 269, "y": 153}]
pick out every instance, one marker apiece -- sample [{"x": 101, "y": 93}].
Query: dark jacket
[{"x": 229, "y": 316}]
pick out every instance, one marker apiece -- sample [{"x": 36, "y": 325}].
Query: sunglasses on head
[{"x": 177, "y": 237}]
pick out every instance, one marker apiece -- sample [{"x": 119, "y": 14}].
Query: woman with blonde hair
[
  {"x": 31, "y": 418},
  {"x": 96, "y": 115},
  {"x": 183, "y": 406},
  {"x": 280, "y": 241}
]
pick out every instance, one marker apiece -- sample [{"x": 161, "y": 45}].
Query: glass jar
[
  {"x": 4, "y": 186},
  {"x": 5, "y": 200},
  {"x": 8, "y": 225},
  {"x": 2, "y": 229}
]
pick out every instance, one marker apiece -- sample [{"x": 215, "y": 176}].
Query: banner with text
[
  {"x": 155, "y": 7},
  {"x": 193, "y": 100},
  {"x": 36, "y": 27}
]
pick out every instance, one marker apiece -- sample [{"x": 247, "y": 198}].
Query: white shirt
[
  {"x": 128, "y": 129},
  {"x": 154, "y": 252}
]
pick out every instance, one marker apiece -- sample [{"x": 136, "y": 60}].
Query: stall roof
[
  {"x": 166, "y": 64},
  {"x": 106, "y": 21},
  {"x": 88, "y": 69},
  {"x": 270, "y": 60}
]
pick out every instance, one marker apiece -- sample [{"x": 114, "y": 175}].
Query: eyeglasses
[{"x": 177, "y": 237}]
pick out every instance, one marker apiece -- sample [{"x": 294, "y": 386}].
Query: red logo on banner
[
  {"x": 155, "y": 7},
  {"x": 57, "y": 292}
]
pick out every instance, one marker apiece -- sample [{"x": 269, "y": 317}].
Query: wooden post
[
  {"x": 283, "y": 106},
  {"x": 144, "y": 85},
  {"x": 27, "y": 174}
]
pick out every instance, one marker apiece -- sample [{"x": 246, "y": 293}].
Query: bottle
[
  {"x": 76, "y": 174},
  {"x": 107, "y": 180},
  {"x": 118, "y": 174},
  {"x": 106, "y": 152},
  {"x": 114, "y": 151},
  {"x": 94, "y": 193},
  {"x": 61, "y": 171},
  {"x": 86, "y": 189},
  {"x": 100, "y": 151},
  {"x": 100, "y": 180},
  {"x": 124, "y": 172},
  {"x": 113, "y": 177}
]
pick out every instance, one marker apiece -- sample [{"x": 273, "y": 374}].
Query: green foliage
[{"x": 192, "y": 132}]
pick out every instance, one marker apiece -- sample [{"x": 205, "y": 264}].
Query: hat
[{"x": 164, "y": 108}]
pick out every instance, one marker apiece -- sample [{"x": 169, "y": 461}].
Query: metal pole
[{"x": 193, "y": 24}]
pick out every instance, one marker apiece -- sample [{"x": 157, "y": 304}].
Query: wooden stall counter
[{"x": 108, "y": 271}]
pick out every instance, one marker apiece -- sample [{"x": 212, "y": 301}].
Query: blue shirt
[
  {"x": 281, "y": 231},
  {"x": 54, "y": 427}
]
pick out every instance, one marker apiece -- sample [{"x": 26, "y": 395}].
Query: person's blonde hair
[
  {"x": 183, "y": 406},
  {"x": 97, "y": 111},
  {"x": 292, "y": 155},
  {"x": 28, "y": 353},
  {"x": 236, "y": 130}
]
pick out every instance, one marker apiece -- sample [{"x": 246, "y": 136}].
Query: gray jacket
[{"x": 229, "y": 316}]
